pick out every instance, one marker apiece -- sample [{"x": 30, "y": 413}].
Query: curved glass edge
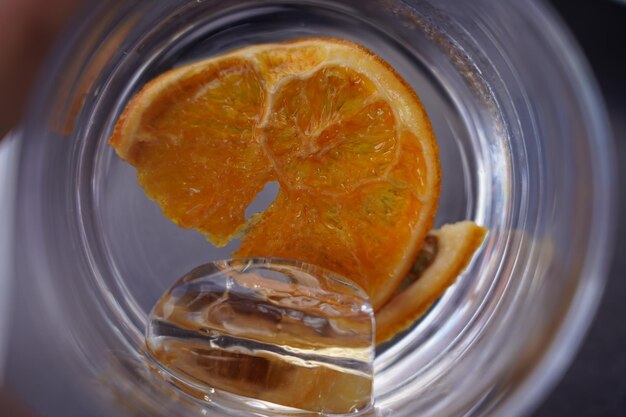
[
  {"x": 9, "y": 155},
  {"x": 575, "y": 325}
]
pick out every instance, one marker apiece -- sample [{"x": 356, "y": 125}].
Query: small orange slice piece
[
  {"x": 455, "y": 246},
  {"x": 345, "y": 137}
]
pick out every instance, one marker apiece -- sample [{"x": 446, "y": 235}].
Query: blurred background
[{"x": 594, "y": 385}]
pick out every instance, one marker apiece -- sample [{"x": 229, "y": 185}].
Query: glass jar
[{"x": 525, "y": 151}]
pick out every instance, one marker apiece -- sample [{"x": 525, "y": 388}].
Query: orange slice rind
[{"x": 455, "y": 246}]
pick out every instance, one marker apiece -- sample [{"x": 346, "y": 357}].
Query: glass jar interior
[{"x": 523, "y": 149}]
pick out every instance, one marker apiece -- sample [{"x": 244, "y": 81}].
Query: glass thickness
[{"x": 524, "y": 149}]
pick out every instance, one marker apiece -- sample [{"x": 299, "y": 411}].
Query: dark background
[{"x": 595, "y": 384}]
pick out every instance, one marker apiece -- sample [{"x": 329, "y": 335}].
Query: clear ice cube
[{"x": 280, "y": 331}]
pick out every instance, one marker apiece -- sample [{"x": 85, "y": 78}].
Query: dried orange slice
[
  {"x": 345, "y": 137},
  {"x": 446, "y": 254}
]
